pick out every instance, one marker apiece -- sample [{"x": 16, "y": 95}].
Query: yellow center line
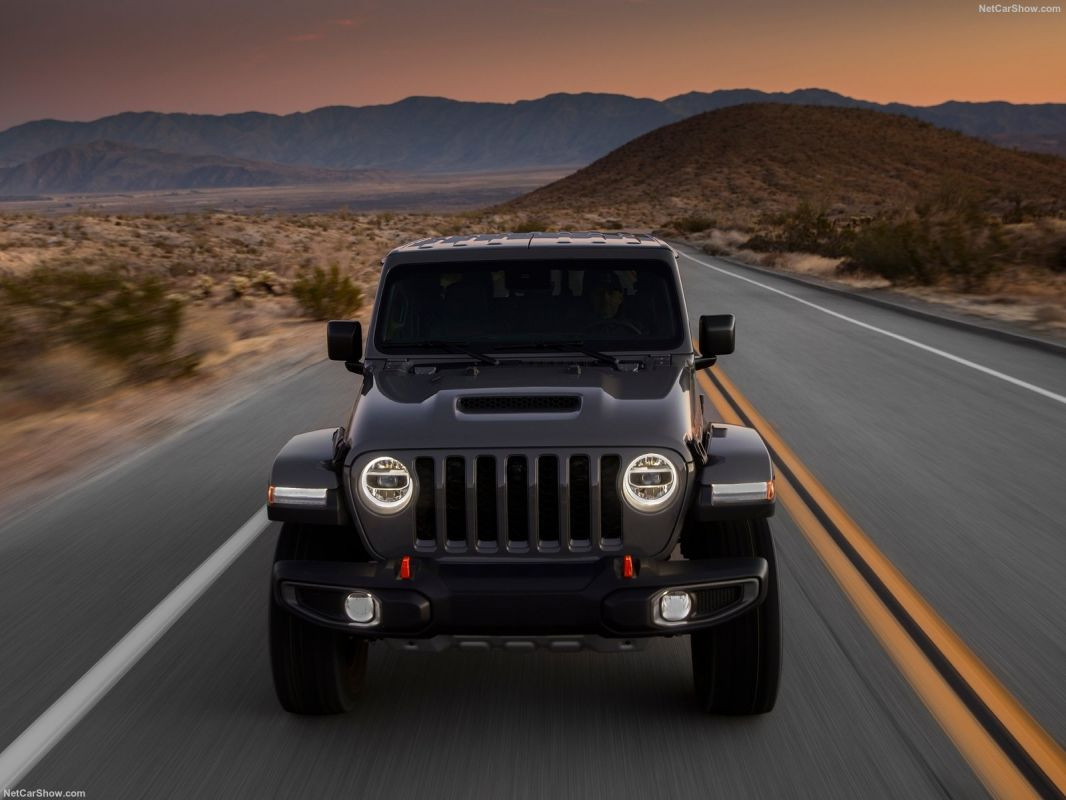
[{"x": 957, "y": 721}]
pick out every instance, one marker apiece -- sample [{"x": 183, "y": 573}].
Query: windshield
[{"x": 514, "y": 305}]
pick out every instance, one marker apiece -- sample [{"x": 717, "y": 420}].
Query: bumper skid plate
[{"x": 508, "y": 601}]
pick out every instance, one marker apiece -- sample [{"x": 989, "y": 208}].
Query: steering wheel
[{"x": 607, "y": 324}]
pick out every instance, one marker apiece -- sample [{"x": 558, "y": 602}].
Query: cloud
[
  {"x": 305, "y": 37},
  {"x": 344, "y": 23}
]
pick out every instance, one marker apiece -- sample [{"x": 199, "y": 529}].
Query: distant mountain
[
  {"x": 111, "y": 167},
  {"x": 432, "y": 133},
  {"x": 739, "y": 163}
]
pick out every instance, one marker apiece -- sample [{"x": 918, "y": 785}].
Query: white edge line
[
  {"x": 47, "y": 730},
  {"x": 929, "y": 349}
]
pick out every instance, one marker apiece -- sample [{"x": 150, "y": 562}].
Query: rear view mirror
[
  {"x": 717, "y": 334},
  {"x": 344, "y": 340}
]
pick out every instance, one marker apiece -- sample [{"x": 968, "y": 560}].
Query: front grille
[{"x": 542, "y": 502}]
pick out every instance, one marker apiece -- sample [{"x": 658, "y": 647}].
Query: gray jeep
[{"x": 526, "y": 464}]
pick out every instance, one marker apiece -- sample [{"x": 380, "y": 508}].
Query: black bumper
[{"x": 520, "y": 599}]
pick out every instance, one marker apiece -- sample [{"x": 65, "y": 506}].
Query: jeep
[{"x": 527, "y": 464}]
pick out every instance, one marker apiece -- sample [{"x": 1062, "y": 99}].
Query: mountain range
[
  {"x": 103, "y": 166},
  {"x": 438, "y": 134}
]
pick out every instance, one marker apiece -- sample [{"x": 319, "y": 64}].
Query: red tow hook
[
  {"x": 405, "y": 568},
  {"x": 627, "y": 567}
]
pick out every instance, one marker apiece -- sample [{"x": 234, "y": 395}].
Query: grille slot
[
  {"x": 518, "y": 500},
  {"x": 425, "y": 513},
  {"x": 548, "y": 498},
  {"x": 519, "y": 404},
  {"x": 610, "y": 502},
  {"x": 518, "y": 503},
  {"x": 580, "y": 500},
  {"x": 485, "y": 480},
  {"x": 455, "y": 498}
]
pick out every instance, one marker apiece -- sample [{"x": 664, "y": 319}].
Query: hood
[{"x": 526, "y": 406}]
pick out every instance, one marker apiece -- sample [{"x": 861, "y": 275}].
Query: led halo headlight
[
  {"x": 385, "y": 485},
  {"x": 649, "y": 481}
]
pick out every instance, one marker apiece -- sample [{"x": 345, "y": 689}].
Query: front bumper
[{"x": 508, "y": 599}]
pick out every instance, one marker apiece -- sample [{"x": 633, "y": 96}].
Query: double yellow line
[{"x": 1012, "y": 755}]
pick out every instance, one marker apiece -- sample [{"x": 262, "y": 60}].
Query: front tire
[
  {"x": 736, "y": 666},
  {"x": 316, "y": 670}
]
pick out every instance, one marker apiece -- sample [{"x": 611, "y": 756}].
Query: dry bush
[
  {"x": 327, "y": 295},
  {"x": 201, "y": 336},
  {"x": 133, "y": 321},
  {"x": 65, "y": 375},
  {"x": 692, "y": 223},
  {"x": 1049, "y": 314},
  {"x": 534, "y": 224}
]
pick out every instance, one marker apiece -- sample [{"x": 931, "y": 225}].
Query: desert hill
[{"x": 741, "y": 162}]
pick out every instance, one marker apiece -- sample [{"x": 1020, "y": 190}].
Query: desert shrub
[
  {"x": 892, "y": 250},
  {"x": 805, "y": 229},
  {"x": 712, "y": 249},
  {"x": 1057, "y": 261},
  {"x": 239, "y": 286},
  {"x": 134, "y": 321},
  {"x": 452, "y": 228},
  {"x": 327, "y": 295},
  {"x": 692, "y": 223},
  {"x": 268, "y": 282},
  {"x": 929, "y": 246},
  {"x": 533, "y": 225},
  {"x": 67, "y": 374}
]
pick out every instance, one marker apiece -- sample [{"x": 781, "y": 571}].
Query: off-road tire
[
  {"x": 316, "y": 670},
  {"x": 736, "y": 665}
]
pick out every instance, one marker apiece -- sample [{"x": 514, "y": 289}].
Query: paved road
[{"x": 953, "y": 472}]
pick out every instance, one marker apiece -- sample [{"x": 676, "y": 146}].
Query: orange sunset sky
[{"x": 82, "y": 59}]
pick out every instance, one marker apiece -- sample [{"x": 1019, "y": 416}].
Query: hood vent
[{"x": 519, "y": 404}]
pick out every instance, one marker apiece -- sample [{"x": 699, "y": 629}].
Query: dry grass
[{"x": 233, "y": 274}]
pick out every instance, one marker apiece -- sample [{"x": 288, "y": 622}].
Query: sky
[{"x": 83, "y": 59}]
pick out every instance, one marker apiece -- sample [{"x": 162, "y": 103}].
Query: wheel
[
  {"x": 316, "y": 670},
  {"x": 736, "y": 665}
]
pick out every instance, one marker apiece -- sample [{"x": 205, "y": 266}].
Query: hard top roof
[{"x": 484, "y": 241}]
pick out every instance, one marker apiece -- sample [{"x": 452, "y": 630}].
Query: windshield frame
[{"x": 544, "y": 347}]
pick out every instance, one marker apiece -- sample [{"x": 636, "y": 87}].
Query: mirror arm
[
  {"x": 703, "y": 362},
  {"x": 354, "y": 366}
]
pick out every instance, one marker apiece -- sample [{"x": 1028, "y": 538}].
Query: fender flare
[
  {"x": 309, "y": 461},
  {"x": 736, "y": 455}
]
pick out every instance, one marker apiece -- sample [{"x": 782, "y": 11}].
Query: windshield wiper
[
  {"x": 460, "y": 348},
  {"x": 579, "y": 346}
]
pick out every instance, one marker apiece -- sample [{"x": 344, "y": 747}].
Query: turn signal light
[{"x": 405, "y": 568}]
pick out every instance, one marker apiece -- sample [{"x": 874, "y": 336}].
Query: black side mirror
[
  {"x": 344, "y": 341},
  {"x": 717, "y": 338}
]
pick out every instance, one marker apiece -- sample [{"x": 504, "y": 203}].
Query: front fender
[
  {"x": 308, "y": 461},
  {"x": 736, "y": 456}
]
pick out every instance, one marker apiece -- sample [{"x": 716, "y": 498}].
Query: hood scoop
[{"x": 519, "y": 404}]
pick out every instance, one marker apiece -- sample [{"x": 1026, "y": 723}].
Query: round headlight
[
  {"x": 386, "y": 485},
  {"x": 650, "y": 480}
]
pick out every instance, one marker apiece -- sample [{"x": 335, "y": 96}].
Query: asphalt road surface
[{"x": 955, "y": 473}]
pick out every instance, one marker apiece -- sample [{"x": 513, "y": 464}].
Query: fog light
[
  {"x": 361, "y": 607},
  {"x": 675, "y": 606}
]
